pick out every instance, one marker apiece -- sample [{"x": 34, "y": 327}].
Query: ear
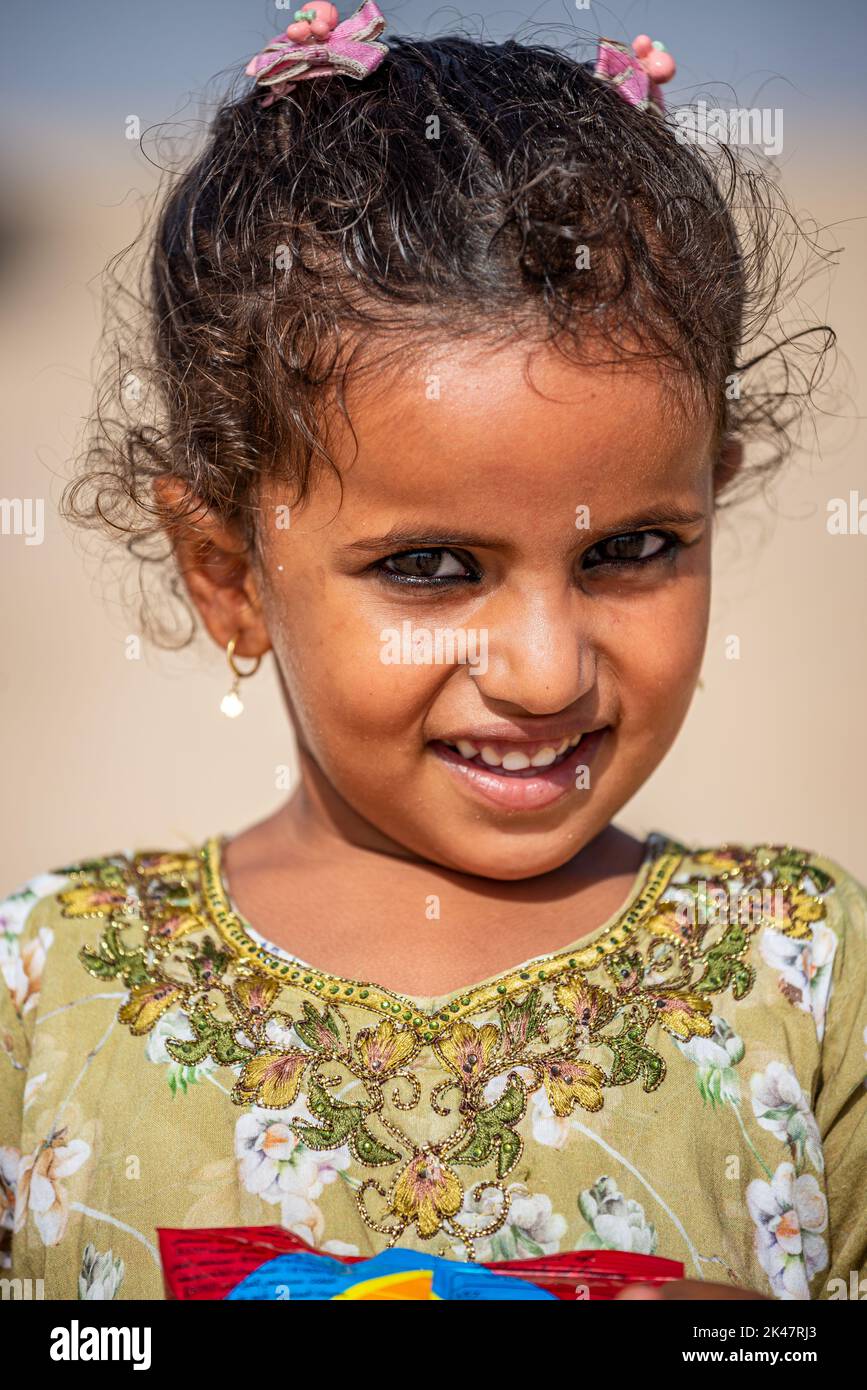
[
  {"x": 215, "y": 567},
  {"x": 728, "y": 465}
]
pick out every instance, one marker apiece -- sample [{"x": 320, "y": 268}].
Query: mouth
[{"x": 521, "y": 776}]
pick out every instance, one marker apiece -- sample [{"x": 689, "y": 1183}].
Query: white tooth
[
  {"x": 467, "y": 749},
  {"x": 515, "y": 762},
  {"x": 562, "y": 747},
  {"x": 544, "y": 757},
  {"x": 573, "y": 742},
  {"x": 491, "y": 756}
]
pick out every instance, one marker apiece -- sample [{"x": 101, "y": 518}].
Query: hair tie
[
  {"x": 636, "y": 73},
  {"x": 315, "y": 45}
]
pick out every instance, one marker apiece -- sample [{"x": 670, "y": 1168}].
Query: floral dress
[{"x": 687, "y": 1080}]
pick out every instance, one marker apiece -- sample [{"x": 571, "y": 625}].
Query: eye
[
  {"x": 632, "y": 548},
  {"x": 426, "y": 567}
]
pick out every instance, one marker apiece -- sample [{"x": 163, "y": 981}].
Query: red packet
[
  {"x": 591, "y": 1274},
  {"x": 208, "y": 1263}
]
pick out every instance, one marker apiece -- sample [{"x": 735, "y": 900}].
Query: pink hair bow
[
  {"x": 315, "y": 45},
  {"x": 637, "y": 73}
]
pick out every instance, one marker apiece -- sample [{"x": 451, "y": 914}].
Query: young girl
[{"x": 442, "y": 344}]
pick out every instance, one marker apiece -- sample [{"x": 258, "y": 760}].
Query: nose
[{"x": 541, "y": 656}]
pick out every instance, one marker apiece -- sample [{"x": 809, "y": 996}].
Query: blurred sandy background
[{"x": 100, "y": 752}]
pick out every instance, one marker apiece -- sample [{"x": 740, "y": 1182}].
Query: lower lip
[{"x": 527, "y": 792}]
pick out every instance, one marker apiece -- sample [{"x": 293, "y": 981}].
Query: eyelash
[
  {"x": 670, "y": 547},
  {"x": 427, "y": 581}
]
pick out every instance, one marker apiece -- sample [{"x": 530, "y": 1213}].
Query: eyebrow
[{"x": 428, "y": 536}]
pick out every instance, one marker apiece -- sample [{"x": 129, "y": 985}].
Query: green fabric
[{"x": 688, "y": 1081}]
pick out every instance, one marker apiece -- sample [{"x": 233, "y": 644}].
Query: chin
[{"x": 510, "y": 855}]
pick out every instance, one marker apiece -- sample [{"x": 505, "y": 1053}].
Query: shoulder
[
  {"x": 97, "y": 886},
  {"x": 804, "y": 912},
  {"x": 61, "y": 907},
  {"x": 801, "y": 894},
  {"x": 795, "y": 886}
]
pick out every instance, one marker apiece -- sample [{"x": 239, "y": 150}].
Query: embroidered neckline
[
  {"x": 661, "y": 860},
  {"x": 566, "y": 1028}
]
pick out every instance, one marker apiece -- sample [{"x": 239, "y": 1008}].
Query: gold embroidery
[
  {"x": 566, "y": 1026},
  {"x": 461, "y": 1003}
]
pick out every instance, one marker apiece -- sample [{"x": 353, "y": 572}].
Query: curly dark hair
[{"x": 445, "y": 196}]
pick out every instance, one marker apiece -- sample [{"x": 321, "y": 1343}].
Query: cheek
[
  {"x": 656, "y": 647},
  {"x": 343, "y": 695}
]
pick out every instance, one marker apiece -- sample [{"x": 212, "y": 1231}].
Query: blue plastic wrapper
[{"x": 394, "y": 1274}]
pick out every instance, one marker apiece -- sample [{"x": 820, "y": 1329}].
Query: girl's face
[{"x": 519, "y": 560}]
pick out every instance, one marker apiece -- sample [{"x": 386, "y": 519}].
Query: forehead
[{"x": 516, "y": 429}]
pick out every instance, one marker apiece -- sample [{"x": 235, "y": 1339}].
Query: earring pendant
[{"x": 231, "y": 704}]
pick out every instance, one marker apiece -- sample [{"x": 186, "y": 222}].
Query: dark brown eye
[
  {"x": 634, "y": 547},
  {"x": 425, "y": 565}
]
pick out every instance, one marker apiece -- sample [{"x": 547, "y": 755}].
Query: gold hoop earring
[{"x": 231, "y": 704}]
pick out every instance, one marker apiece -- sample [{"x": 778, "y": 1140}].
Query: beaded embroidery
[{"x": 575, "y": 1023}]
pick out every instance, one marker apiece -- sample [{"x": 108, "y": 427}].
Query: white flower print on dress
[
  {"x": 532, "y": 1227},
  {"x": 789, "y": 1213},
  {"x": 549, "y": 1129},
  {"x": 616, "y": 1222},
  {"x": 10, "y": 1161},
  {"x": 16, "y": 908},
  {"x": 805, "y": 967},
  {"x": 101, "y": 1275},
  {"x": 40, "y": 1186},
  {"x": 21, "y": 968},
  {"x": 175, "y": 1024},
  {"x": 779, "y": 1105},
  {"x": 275, "y": 1165},
  {"x": 716, "y": 1058}
]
